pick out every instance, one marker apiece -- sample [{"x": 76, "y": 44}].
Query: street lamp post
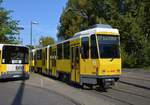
[
  {"x": 32, "y": 22},
  {"x": 41, "y": 43}
]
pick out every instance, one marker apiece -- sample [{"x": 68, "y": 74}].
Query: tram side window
[
  {"x": 59, "y": 51},
  {"x": 43, "y": 57},
  {"x": 66, "y": 50},
  {"x": 34, "y": 56},
  {"x": 85, "y": 48},
  {"x": 39, "y": 54},
  {"x": 94, "y": 53},
  {"x": 0, "y": 56},
  {"x": 50, "y": 53},
  {"x": 31, "y": 55},
  {"x": 46, "y": 54}
]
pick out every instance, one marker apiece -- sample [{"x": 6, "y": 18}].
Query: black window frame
[
  {"x": 113, "y": 43},
  {"x": 7, "y": 54},
  {"x": 85, "y": 48},
  {"x": 59, "y": 51},
  {"x": 94, "y": 50},
  {"x": 39, "y": 54},
  {"x": 46, "y": 54},
  {"x": 66, "y": 50},
  {"x": 50, "y": 52},
  {"x": 43, "y": 56},
  {"x": 0, "y": 54}
]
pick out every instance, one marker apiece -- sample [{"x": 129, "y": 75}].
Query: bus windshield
[
  {"x": 15, "y": 55},
  {"x": 108, "y": 46}
]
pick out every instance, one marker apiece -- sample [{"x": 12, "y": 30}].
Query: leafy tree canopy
[
  {"x": 8, "y": 27},
  {"x": 44, "y": 41}
]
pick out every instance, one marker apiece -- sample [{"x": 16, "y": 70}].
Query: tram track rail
[
  {"x": 135, "y": 85},
  {"x": 120, "y": 95}
]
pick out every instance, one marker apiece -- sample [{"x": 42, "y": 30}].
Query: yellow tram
[{"x": 90, "y": 57}]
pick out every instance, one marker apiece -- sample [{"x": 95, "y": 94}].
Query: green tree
[
  {"x": 8, "y": 27},
  {"x": 44, "y": 41}
]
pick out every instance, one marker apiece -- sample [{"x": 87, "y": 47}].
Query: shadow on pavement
[
  {"x": 18, "y": 98},
  {"x": 12, "y": 79}
]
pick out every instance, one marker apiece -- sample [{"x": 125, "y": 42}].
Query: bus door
[
  {"x": 54, "y": 62},
  {"x": 75, "y": 65}
]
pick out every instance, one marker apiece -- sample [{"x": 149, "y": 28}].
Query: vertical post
[
  {"x": 32, "y": 22},
  {"x": 31, "y": 34}
]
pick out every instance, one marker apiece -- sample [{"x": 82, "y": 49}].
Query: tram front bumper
[
  {"x": 14, "y": 74},
  {"x": 88, "y": 79}
]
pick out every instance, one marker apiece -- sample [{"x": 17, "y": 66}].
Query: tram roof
[
  {"x": 1, "y": 45},
  {"x": 97, "y": 30}
]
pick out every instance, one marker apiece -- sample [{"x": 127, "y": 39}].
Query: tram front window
[
  {"x": 15, "y": 55},
  {"x": 109, "y": 46}
]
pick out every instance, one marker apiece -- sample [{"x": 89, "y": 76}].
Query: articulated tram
[
  {"x": 91, "y": 57},
  {"x": 14, "y": 61}
]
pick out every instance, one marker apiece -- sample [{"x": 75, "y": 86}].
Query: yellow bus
[
  {"x": 14, "y": 61},
  {"x": 91, "y": 57}
]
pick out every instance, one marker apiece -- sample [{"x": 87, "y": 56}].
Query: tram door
[
  {"x": 54, "y": 63},
  {"x": 35, "y": 62},
  {"x": 75, "y": 64},
  {"x": 0, "y": 58}
]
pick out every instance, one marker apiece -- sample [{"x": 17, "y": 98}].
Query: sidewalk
[{"x": 61, "y": 88}]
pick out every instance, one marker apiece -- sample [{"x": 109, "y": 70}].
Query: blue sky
[{"x": 46, "y": 12}]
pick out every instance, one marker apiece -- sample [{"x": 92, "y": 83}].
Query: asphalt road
[
  {"x": 132, "y": 89},
  {"x": 20, "y": 93}
]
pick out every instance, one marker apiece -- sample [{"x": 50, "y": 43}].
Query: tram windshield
[
  {"x": 108, "y": 46},
  {"x": 15, "y": 55}
]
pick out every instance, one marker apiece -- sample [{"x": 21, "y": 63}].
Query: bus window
[
  {"x": 15, "y": 55},
  {"x": 85, "y": 48},
  {"x": 94, "y": 53}
]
